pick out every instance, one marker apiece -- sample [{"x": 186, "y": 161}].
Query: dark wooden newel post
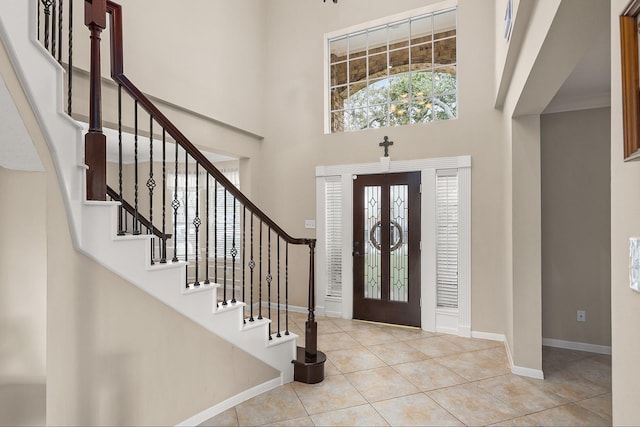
[
  {"x": 95, "y": 142},
  {"x": 309, "y": 364}
]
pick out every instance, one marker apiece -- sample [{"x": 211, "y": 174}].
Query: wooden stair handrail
[
  {"x": 141, "y": 218},
  {"x": 117, "y": 73}
]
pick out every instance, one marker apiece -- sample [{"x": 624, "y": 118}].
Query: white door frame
[{"x": 432, "y": 319}]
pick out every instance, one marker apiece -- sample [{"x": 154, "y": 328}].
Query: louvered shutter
[
  {"x": 333, "y": 206},
  {"x": 447, "y": 239},
  {"x": 217, "y": 202}
]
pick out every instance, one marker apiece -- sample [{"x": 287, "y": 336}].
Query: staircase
[{"x": 254, "y": 316}]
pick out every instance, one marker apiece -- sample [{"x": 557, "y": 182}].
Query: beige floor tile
[
  {"x": 336, "y": 341},
  {"x": 326, "y": 326},
  {"x": 223, "y": 419},
  {"x": 472, "y": 344},
  {"x": 349, "y": 325},
  {"x": 302, "y": 422},
  {"x": 363, "y": 415},
  {"x": 557, "y": 358},
  {"x": 335, "y": 392},
  {"x": 407, "y": 333},
  {"x": 435, "y": 346},
  {"x": 429, "y": 374},
  {"x": 525, "y": 421},
  {"x": 381, "y": 383},
  {"x": 278, "y": 404},
  {"x": 568, "y": 415},
  {"x": 600, "y": 405},
  {"x": 355, "y": 359},
  {"x": 477, "y": 365},
  {"x": 592, "y": 370},
  {"x": 397, "y": 352},
  {"x": 523, "y": 396},
  {"x": 415, "y": 410},
  {"x": 570, "y": 385},
  {"x": 372, "y": 336},
  {"x": 472, "y": 405},
  {"x": 330, "y": 369}
]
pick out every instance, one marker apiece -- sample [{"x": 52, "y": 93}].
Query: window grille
[{"x": 399, "y": 73}]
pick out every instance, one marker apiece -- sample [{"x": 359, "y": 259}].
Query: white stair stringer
[
  {"x": 129, "y": 257},
  {"x": 93, "y": 225}
]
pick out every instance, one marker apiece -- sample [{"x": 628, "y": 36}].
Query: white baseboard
[
  {"x": 488, "y": 336},
  {"x": 520, "y": 370},
  {"x": 580, "y": 346},
  {"x": 231, "y": 402}
]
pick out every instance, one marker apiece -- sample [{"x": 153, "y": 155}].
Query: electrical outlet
[
  {"x": 582, "y": 316},
  {"x": 309, "y": 223}
]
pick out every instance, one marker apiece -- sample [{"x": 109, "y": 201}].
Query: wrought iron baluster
[
  {"x": 286, "y": 289},
  {"x": 121, "y": 226},
  {"x": 53, "y": 29},
  {"x": 60, "y": 31},
  {"x": 38, "y": 21},
  {"x": 151, "y": 184},
  {"x": 234, "y": 253},
  {"x": 196, "y": 224},
  {"x": 224, "y": 251},
  {"x": 269, "y": 278},
  {"x": 163, "y": 258},
  {"x": 47, "y": 15},
  {"x": 70, "y": 61},
  {"x": 244, "y": 245},
  {"x": 215, "y": 231},
  {"x": 278, "y": 263},
  {"x": 260, "y": 277},
  {"x": 252, "y": 265},
  {"x": 136, "y": 224},
  {"x": 175, "y": 204},
  {"x": 206, "y": 250},
  {"x": 186, "y": 217}
]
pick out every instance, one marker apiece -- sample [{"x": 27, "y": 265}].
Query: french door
[{"x": 386, "y": 248}]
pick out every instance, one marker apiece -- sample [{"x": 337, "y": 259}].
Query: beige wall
[
  {"x": 625, "y": 211},
  {"x": 114, "y": 355},
  {"x": 23, "y": 277},
  {"x": 295, "y": 143},
  {"x": 525, "y": 306},
  {"x": 576, "y": 218},
  {"x": 205, "y": 57}
]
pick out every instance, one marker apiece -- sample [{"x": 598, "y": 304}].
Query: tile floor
[{"x": 378, "y": 375}]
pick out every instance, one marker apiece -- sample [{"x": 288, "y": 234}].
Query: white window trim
[
  {"x": 432, "y": 319},
  {"x": 363, "y": 26}
]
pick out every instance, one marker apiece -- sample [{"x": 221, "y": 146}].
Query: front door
[{"x": 386, "y": 248}]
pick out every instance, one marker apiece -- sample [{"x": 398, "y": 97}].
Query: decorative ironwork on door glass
[
  {"x": 399, "y": 239},
  {"x": 373, "y": 266}
]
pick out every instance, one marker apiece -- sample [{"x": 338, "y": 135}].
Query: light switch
[{"x": 309, "y": 223}]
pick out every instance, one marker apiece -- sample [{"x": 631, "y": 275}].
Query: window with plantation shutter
[
  {"x": 221, "y": 212},
  {"x": 333, "y": 206},
  {"x": 185, "y": 193},
  {"x": 447, "y": 239}
]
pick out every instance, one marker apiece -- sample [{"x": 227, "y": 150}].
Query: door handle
[{"x": 355, "y": 250}]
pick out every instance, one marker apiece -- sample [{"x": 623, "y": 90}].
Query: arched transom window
[{"x": 399, "y": 73}]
